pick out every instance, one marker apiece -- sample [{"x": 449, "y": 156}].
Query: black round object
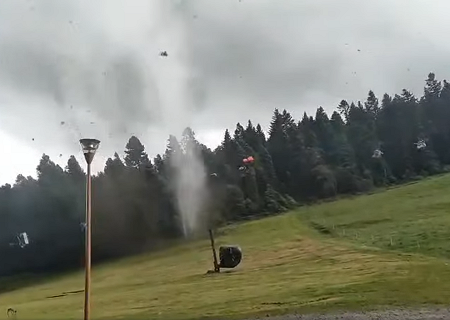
[{"x": 230, "y": 256}]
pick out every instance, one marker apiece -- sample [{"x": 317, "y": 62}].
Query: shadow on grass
[
  {"x": 24, "y": 280},
  {"x": 27, "y": 279}
]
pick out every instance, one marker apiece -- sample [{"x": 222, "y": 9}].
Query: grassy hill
[{"x": 386, "y": 249}]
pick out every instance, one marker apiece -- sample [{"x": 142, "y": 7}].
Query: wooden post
[{"x": 213, "y": 247}]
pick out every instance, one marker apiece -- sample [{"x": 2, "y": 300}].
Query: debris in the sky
[
  {"x": 346, "y": 83},
  {"x": 421, "y": 144},
  {"x": 63, "y": 123},
  {"x": 32, "y": 139},
  {"x": 214, "y": 175},
  {"x": 70, "y": 21},
  {"x": 163, "y": 54},
  {"x": 71, "y": 107},
  {"x": 92, "y": 122},
  {"x": 60, "y": 155},
  {"x": 346, "y": 44},
  {"x": 377, "y": 153},
  {"x": 83, "y": 226},
  {"x": 408, "y": 69},
  {"x": 22, "y": 239},
  {"x": 359, "y": 50},
  {"x": 195, "y": 16}
]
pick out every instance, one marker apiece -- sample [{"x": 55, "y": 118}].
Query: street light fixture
[{"x": 89, "y": 147}]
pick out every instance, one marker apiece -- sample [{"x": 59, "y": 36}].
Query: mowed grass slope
[
  {"x": 300, "y": 262},
  {"x": 413, "y": 218}
]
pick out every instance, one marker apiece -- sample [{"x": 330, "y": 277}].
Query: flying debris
[
  {"x": 32, "y": 139},
  {"x": 214, "y": 175},
  {"x": 421, "y": 144},
  {"x": 163, "y": 54},
  {"x": 359, "y": 50},
  {"x": 63, "y": 123},
  {"x": 83, "y": 226},
  {"x": 21, "y": 240},
  {"x": 60, "y": 155},
  {"x": 377, "y": 153},
  {"x": 245, "y": 167},
  {"x": 248, "y": 160}
]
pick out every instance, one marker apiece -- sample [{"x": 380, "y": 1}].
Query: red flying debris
[{"x": 248, "y": 160}]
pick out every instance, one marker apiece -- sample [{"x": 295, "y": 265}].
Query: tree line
[{"x": 362, "y": 145}]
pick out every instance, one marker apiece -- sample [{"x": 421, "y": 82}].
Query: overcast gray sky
[{"x": 77, "y": 68}]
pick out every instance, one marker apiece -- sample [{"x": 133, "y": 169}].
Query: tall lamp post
[{"x": 89, "y": 147}]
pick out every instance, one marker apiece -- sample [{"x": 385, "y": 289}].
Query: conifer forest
[{"x": 384, "y": 140}]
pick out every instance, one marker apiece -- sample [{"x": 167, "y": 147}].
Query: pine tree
[
  {"x": 371, "y": 104},
  {"x": 316, "y": 157},
  {"x": 344, "y": 109},
  {"x": 114, "y": 167},
  {"x": 135, "y": 153}
]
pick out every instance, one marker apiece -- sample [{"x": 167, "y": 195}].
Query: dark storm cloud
[
  {"x": 59, "y": 63},
  {"x": 241, "y": 58},
  {"x": 113, "y": 88},
  {"x": 254, "y": 56}
]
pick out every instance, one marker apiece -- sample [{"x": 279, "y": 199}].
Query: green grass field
[{"x": 386, "y": 249}]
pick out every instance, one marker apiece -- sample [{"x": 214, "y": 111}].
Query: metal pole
[
  {"x": 213, "y": 247},
  {"x": 87, "y": 281}
]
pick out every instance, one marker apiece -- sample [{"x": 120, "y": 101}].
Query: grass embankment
[{"x": 385, "y": 249}]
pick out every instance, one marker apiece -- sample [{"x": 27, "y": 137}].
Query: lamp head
[{"x": 89, "y": 147}]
